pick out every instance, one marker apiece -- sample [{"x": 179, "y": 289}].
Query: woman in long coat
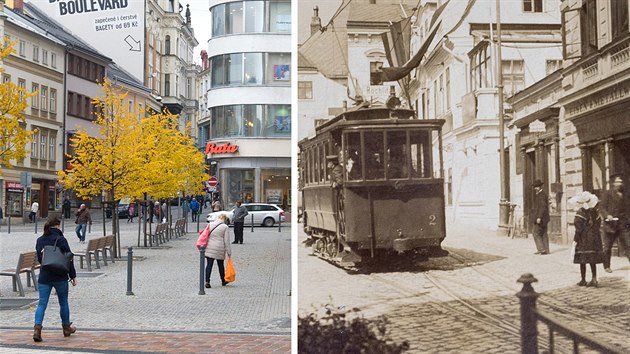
[
  {"x": 588, "y": 242},
  {"x": 217, "y": 248}
]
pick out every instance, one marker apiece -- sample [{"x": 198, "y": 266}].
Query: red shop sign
[
  {"x": 226, "y": 148},
  {"x": 14, "y": 187}
]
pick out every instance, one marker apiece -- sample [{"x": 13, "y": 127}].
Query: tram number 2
[{"x": 432, "y": 220}]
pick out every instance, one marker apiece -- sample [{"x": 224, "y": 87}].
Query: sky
[{"x": 200, "y": 18}]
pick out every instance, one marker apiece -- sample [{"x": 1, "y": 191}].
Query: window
[
  {"x": 278, "y": 120},
  {"x": 22, "y": 48},
  {"x": 619, "y": 17},
  {"x": 53, "y": 101},
  {"x": 280, "y": 16},
  {"x": 533, "y": 5},
  {"x": 167, "y": 84},
  {"x": 35, "y": 53},
  {"x": 35, "y": 98},
  {"x": 552, "y": 65},
  {"x": 278, "y": 68},
  {"x": 22, "y": 88},
  {"x": 44, "y": 98},
  {"x": 375, "y": 72},
  {"x": 34, "y": 143},
  {"x": 480, "y": 67},
  {"x": 218, "y": 20},
  {"x": 52, "y": 148},
  {"x": 44, "y": 57},
  {"x": 53, "y": 60},
  {"x": 305, "y": 90},
  {"x": 234, "y": 20},
  {"x": 447, "y": 76},
  {"x": 167, "y": 45},
  {"x": 588, "y": 26},
  {"x": 6, "y": 78},
  {"x": 43, "y": 141},
  {"x": 254, "y": 16},
  {"x": 253, "y": 69},
  {"x": 513, "y": 76},
  {"x": 234, "y": 66},
  {"x": 442, "y": 99},
  {"x": 594, "y": 172}
]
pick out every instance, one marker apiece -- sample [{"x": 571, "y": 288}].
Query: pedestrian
[
  {"x": 217, "y": 248},
  {"x": 164, "y": 212},
  {"x": 216, "y": 205},
  {"x": 185, "y": 207},
  {"x": 336, "y": 183},
  {"x": 238, "y": 218},
  {"x": 66, "y": 208},
  {"x": 587, "y": 239},
  {"x": 540, "y": 218},
  {"x": 194, "y": 208},
  {"x": 616, "y": 220},
  {"x": 157, "y": 211},
  {"x": 49, "y": 280},
  {"x": 131, "y": 210},
  {"x": 83, "y": 218},
  {"x": 32, "y": 216}
]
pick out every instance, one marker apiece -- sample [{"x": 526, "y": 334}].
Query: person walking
[
  {"x": 48, "y": 280},
  {"x": 616, "y": 220},
  {"x": 194, "y": 208},
  {"x": 217, "y": 248},
  {"x": 238, "y": 218},
  {"x": 216, "y": 205},
  {"x": 587, "y": 239},
  {"x": 83, "y": 218},
  {"x": 34, "y": 209},
  {"x": 66, "y": 208},
  {"x": 540, "y": 218},
  {"x": 157, "y": 211},
  {"x": 131, "y": 210}
]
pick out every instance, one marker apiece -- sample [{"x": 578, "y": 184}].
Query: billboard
[{"x": 113, "y": 27}]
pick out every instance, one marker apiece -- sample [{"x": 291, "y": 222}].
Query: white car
[{"x": 264, "y": 214}]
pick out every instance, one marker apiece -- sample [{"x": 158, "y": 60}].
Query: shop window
[
  {"x": 278, "y": 121},
  {"x": 278, "y": 68},
  {"x": 594, "y": 168},
  {"x": 275, "y": 186},
  {"x": 305, "y": 90},
  {"x": 619, "y": 17},
  {"x": 240, "y": 185}
]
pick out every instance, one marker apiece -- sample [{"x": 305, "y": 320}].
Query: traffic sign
[{"x": 212, "y": 182}]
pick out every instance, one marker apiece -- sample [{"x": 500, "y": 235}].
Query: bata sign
[{"x": 227, "y": 148}]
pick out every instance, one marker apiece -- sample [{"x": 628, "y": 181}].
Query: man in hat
[
  {"x": 616, "y": 222},
  {"x": 336, "y": 171},
  {"x": 540, "y": 218}
]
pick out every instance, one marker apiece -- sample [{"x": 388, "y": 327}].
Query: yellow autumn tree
[{"x": 14, "y": 137}]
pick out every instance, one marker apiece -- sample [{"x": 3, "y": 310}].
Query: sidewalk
[{"x": 249, "y": 315}]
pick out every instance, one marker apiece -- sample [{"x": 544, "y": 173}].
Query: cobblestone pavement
[
  {"x": 249, "y": 315},
  {"x": 440, "y": 306}
]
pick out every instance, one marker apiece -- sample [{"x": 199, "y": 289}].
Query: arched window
[{"x": 167, "y": 45}]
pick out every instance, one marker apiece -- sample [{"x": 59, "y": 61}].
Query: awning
[{"x": 397, "y": 73}]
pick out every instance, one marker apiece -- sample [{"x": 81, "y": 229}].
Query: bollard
[
  {"x": 198, "y": 222},
  {"x": 202, "y": 262},
  {"x": 9, "y": 226},
  {"x": 129, "y": 269},
  {"x": 35, "y": 217},
  {"x": 63, "y": 224},
  {"x": 529, "y": 331},
  {"x": 279, "y": 222},
  {"x": 252, "y": 222},
  {"x": 90, "y": 227}
]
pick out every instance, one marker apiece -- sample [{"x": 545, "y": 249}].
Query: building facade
[
  {"x": 246, "y": 118},
  {"x": 37, "y": 65}
]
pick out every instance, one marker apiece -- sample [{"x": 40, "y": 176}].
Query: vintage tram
[{"x": 391, "y": 197}]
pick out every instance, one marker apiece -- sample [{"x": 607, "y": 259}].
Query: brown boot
[
  {"x": 68, "y": 329},
  {"x": 37, "y": 334}
]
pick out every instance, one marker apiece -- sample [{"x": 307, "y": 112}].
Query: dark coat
[
  {"x": 614, "y": 204},
  {"x": 45, "y": 240},
  {"x": 588, "y": 248},
  {"x": 336, "y": 176},
  {"x": 540, "y": 208}
]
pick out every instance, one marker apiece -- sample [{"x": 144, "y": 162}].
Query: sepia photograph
[{"x": 462, "y": 173}]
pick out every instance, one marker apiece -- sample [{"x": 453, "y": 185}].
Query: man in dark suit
[
  {"x": 616, "y": 222},
  {"x": 540, "y": 218}
]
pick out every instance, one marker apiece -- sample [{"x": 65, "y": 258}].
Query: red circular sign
[{"x": 212, "y": 182}]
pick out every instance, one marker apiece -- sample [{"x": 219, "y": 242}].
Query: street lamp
[{"x": 504, "y": 204}]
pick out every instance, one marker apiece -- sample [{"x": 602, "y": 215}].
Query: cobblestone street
[
  {"x": 465, "y": 302},
  {"x": 249, "y": 315}
]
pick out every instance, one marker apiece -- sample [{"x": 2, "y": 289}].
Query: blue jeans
[
  {"x": 80, "y": 230},
  {"x": 62, "y": 294}
]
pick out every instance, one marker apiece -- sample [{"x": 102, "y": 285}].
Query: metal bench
[{"x": 27, "y": 263}]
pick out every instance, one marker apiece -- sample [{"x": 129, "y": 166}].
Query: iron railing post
[
  {"x": 529, "y": 331},
  {"x": 202, "y": 261},
  {"x": 129, "y": 269}
]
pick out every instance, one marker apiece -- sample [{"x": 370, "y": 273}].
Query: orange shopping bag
[{"x": 230, "y": 274}]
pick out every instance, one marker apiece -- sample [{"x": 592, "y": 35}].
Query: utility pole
[{"x": 503, "y": 202}]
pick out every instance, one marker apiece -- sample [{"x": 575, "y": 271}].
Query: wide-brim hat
[
  {"x": 332, "y": 158},
  {"x": 537, "y": 183},
  {"x": 586, "y": 200}
]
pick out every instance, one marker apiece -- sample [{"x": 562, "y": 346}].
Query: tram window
[
  {"x": 322, "y": 163},
  {"x": 420, "y": 154},
  {"x": 353, "y": 156},
  {"x": 397, "y": 160},
  {"x": 374, "y": 155},
  {"x": 326, "y": 173}
]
